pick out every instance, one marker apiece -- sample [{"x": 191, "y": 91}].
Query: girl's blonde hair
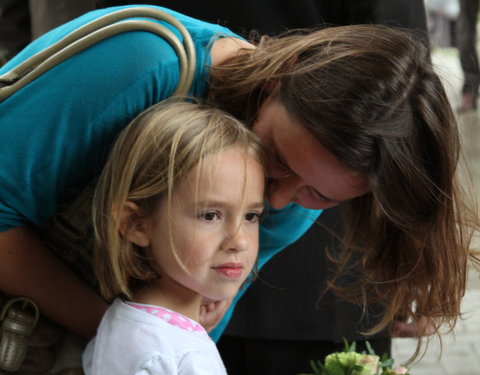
[
  {"x": 149, "y": 158},
  {"x": 370, "y": 95}
]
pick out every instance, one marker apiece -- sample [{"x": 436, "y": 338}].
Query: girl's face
[
  {"x": 300, "y": 169},
  {"x": 215, "y": 222}
]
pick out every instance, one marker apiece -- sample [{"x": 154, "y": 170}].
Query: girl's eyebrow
[
  {"x": 221, "y": 204},
  {"x": 211, "y": 203},
  {"x": 257, "y": 205}
]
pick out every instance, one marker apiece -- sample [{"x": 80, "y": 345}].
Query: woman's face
[{"x": 299, "y": 168}]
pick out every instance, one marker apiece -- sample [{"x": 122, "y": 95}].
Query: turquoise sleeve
[{"x": 279, "y": 229}]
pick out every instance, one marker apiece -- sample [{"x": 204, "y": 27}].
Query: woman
[{"x": 348, "y": 114}]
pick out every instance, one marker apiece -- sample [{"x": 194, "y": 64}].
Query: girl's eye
[
  {"x": 252, "y": 217},
  {"x": 210, "y": 216}
]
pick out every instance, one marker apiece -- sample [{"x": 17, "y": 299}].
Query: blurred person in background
[{"x": 467, "y": 47}]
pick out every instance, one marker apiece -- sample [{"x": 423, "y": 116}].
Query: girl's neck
[{"x": 176, "y": 298}]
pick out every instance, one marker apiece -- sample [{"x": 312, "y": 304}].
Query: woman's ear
[
  {"x": 272, "y": 86},
  {"x": 132, "y": 224}
]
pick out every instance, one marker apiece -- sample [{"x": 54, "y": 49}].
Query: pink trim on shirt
[{"x": 170, "y": 316}]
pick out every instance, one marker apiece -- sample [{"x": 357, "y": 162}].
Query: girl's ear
[{"x": 132, "y": 224}]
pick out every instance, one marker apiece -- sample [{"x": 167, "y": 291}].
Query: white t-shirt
[{"x": 134, "y": 342}]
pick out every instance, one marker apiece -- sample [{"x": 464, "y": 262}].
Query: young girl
[{"x": 176, "y": 217}]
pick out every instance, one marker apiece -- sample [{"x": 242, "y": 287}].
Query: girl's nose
[{"x": 236, "y": 240}]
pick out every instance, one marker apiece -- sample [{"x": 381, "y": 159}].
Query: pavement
[{"x": 459, "y": 352}]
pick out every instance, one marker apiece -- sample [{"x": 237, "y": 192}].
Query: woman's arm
[{"x": 28, "y": 268}]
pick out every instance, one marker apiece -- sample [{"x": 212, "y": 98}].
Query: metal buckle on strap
[{"x": 19, "y": 317}]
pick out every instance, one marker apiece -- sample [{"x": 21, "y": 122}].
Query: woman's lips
[{"x": 229, "y": 270}]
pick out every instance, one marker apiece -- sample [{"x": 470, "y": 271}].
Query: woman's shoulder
[{"x": 225, "y": 48}]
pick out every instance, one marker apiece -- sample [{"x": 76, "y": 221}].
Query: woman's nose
[{"x": 282, "y": 191}]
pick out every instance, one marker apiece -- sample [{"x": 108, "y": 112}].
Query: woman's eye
[
  {"x": 280, "y": 163},
  {"x": 252, "y": 217},
  {"x": 209, "y": 216},
  {"x": 283, "y": 167},
  {"x": 285, "y": 171},
  {"x": 319, "y": 197}
]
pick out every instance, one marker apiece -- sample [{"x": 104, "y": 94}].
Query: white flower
[
  {"x": 401, "y": 370},
  {"x": 370, "y": 365}
]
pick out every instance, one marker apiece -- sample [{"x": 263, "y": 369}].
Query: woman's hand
[
  {"x": 423, "y": 327},
  {"x": 211, "y": 312}
]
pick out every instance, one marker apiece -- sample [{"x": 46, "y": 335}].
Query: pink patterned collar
[{"x": 170, "y": 316}]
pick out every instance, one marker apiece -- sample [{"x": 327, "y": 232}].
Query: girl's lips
[{"x": 230, "y": 270}]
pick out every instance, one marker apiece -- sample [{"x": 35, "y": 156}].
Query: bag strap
[{"x": 98, "y": 30}]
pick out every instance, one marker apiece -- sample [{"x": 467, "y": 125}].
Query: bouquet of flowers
[{"x": 349, "y": 362}]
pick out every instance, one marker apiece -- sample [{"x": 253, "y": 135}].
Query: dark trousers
[
  {"x": 245, "y": 356},
  {"x": 466, "y": 42}
]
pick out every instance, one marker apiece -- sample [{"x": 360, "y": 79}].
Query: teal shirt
[{"x": 55, "y": 133}]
